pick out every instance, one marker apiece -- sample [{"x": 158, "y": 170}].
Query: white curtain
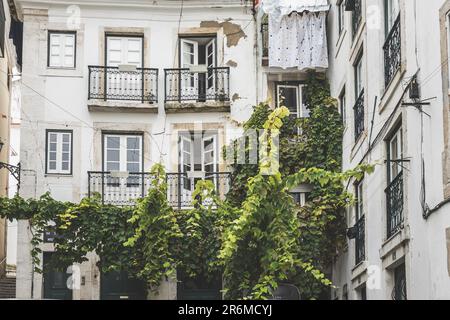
[{"x": 298, "y": 41}]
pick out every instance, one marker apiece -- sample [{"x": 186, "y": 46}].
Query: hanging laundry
[{"x": 297, "y": 33}]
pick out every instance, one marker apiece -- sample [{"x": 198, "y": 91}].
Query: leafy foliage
[{"x": 257, "y": 238}]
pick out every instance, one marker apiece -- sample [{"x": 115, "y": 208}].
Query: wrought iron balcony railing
[
  {"x": 122, "y": 188},
  {"x": 181, "y": 186},
  {"x": 394, "y": 200},
  {"x": 112, "y": 83},
  {"x": 360, "y": 240},
  {"x": 356, "y": 16},
  {"x": 392, "y": 52},
  {"x": 184, "y": 85},
  {"x": 358, "y": 110}
]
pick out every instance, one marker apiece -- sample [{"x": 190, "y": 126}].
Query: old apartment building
[
  {"x": 389, "y": 69},
  {"x": 114, "y": 87},
  {"x": 110, "y": 88},
  {"x": 8, "y": 63}
]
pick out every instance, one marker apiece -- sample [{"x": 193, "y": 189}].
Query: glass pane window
[
  {"x": 395, "y": 155},
  {"x": 293, "y": 97},
  {"x": 123, "y": 153},
  {"x": 359, "y": 212},
  {"x": 359, "y": 84},
  {"x": 61, "y": 49},
  {"x": 392, "y": 10},
  {"x": 341, "y": 15},
  {"x": 59, "y": 152}
]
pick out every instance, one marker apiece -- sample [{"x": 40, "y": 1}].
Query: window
[
  {"x": 301, "y": 198},
  {"x": 123, "y": 153},
  {"x": 293, "y": 97},
  {"x": 363, "y": 293},
  {"x": 124, "y": 50},
  {"x": 345, "y": 292},
  {"x": 360, "y": 233},
  {"x": 343, "y": 107},
  {"x": 395, "y": 155},
  {"x": 199, "y": 51},
  {"x": 359, "y": 81},
  {"x": 394, "y": 190},
  {"x": 392, "y": 10},
  {"x": 2, "y": 30},
  {"x": 198, "y": 159},
  {"x": 359, "y": 108},
  {"x": 399, "y": 291},
  {"x": 59, "y": 152},
  {"x": 62, "y": 49},
  {"x": 341, "y": 15}
]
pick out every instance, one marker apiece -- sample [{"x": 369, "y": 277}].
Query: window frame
[
  {"x": 358, "y": 67},
  {"x": 122, "y": 134},
  {"x": 389, "y": 21},
  {"x": 343, "y": 105},
  {"x": 58, "y": 171},
  {"x": 397, "y": 133},
  {"x": 300, "y": 87},
  {"x": 124, "y": 35},
  {"x": 2, "y": 31},
  {"x": 359, "y": 205},
  {"x": 341, "y": 16},
  {"x": 62, "y": 32}
]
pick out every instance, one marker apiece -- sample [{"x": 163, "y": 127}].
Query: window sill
[
  {"x": 390, "y": 251},
  {"x": 357, "y": 40},
  {"x": 391, "y": 89},
  {"x": 358, "y": 144},
  {"x": 59, "y": 175}
]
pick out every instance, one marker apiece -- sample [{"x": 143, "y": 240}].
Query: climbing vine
[{"x": 255, "y": 239}]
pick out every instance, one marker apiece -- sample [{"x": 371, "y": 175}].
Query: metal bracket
[{"x": 14, "y": 170}]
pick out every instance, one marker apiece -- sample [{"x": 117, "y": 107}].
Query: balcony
[
  {"x": 123, "y": 188},
  {"x": 197, "y": 88},
  {"x": 392, "y": 53},
  {"x": 123, "y": 88},
  {"x": 358, "y": 110},
  {"x": 394, "y": 200},
  {"x": 360, "y": 240}
]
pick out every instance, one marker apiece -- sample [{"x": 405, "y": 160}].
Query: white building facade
[
  {"x": 111, "y": 88},
  {"x": 389, "y": 69}
]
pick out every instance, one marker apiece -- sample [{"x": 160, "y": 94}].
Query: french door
[
  {"x": 124, "y": 51},
  {"x": 123, "y": 161},
  {"x": 198, "y": 159},
  {"x": 198, "y": 85}
]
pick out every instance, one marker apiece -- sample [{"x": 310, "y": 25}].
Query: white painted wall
[
  {"x": 55, "y": 99},
  {"x": 425, "y": 253}
]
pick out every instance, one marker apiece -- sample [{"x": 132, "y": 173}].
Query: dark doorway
[
  {"x": 200, "y": 288},
  {"x": 55, "y": 281},
  {"x": 119, "y": 286}
]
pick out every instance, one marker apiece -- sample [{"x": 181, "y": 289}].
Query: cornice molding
[{"x": 162, "y": 4}]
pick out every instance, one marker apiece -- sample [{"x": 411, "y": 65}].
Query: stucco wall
[
  {"x": 421, "y": 244},
  {"x": 57, "y": 99}
]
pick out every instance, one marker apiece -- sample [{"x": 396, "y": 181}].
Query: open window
[
  {"x": 198, "y": 62},
  {"x": 198, "y": 159},
  {"x": 293, "y": 96}
]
